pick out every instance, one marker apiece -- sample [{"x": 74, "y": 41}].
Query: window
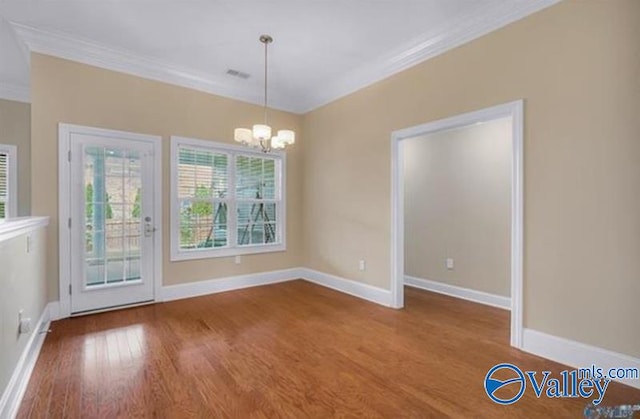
[
  {"x": 225, "y": 200},
  {"x": 8, "y": 181}
]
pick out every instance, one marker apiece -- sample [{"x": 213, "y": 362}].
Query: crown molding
[
  {"x": 15, "y": 92},
  {"x": 419, "y": 50},
  {"x": 89, "y": 52}
]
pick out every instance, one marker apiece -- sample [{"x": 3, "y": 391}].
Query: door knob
[{"x": 149, "y": 229}]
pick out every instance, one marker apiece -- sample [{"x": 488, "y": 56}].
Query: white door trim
[
  {"x": 64, "y": 205},
  {"x": 513, "y": 110}
]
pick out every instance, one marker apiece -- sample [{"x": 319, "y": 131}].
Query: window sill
[{"x": 177, "y": 255}]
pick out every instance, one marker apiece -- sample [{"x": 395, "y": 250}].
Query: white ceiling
[{"x": 322, "y": 50}]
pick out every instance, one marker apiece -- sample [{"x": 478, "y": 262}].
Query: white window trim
[
  {"x": 12, "y": 200},
  {"x": 176, "y": 253}
]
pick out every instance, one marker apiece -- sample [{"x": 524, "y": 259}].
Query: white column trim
[{"x": 514, "y": 110}]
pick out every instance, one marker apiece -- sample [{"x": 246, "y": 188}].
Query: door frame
[
  {"x": 514, "y": 110},
  {"x": 64, "y": 206}
]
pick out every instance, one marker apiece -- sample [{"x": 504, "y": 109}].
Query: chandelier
[{"x": 260, "y": 135}]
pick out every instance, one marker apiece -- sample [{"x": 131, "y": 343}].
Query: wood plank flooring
[{"x": 293, "y": 350}]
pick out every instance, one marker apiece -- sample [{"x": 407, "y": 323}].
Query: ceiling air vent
[{"x": 239, "y": 74}]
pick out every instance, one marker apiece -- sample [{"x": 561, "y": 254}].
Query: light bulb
[
  {"x": 287, "y": 136},
  {"x": 261, "y": 132},
  {"x": 243, "y": 135}
]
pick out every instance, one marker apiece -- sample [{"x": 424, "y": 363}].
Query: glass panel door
[{"x": 112, "y": 225}]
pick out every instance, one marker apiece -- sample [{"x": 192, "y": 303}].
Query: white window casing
[{"x": 226, "y": 200}]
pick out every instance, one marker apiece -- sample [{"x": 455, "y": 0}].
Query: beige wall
[
  {"x": 22, "y": 287},
  {"x": 457, "y": 186},
  {"x": 15, "y": 129},
  {"x": 63, "y": 91},
  {"x": 577, "y": 66}
]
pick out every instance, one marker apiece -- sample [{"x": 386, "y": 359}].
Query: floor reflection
[{"x": 114, "y": 354}]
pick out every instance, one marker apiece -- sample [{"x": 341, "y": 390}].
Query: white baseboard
[
  {"x": 576, "y": 354},
  {"x": 213, "y": 286},
  {"x": 13, "y": 393},
  {"x": 196, "y": 289},
  {"x": 347, "y": 286},
  {"x": 465, "y": 293}
]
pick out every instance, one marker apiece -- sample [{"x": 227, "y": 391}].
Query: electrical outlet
[
  {"x": 24, "y": 323},
  {"x": 362, "y": 265},
  {"x": 238, "y": 260},
  {"x": 449, "y": 263}
]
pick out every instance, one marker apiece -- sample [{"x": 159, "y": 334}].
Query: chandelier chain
[{"x": 266, "y": 45}]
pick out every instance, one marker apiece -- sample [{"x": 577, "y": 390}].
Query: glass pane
[
  {"x": 132, "y": 235},
  {"x": 255, "y": 177},
  {"x": 115, "y": 259},
  {"x": 220, "y": 235},
  {"x": 94, "y": 212},
  {"x": 256, "y": 223},
  {"x": 187, "y": 233},
  {"x": 202, "y": 174},
  {"x": 133, "y": 269},
  {"x": 186, "y": 173},
  {"x": 113, "y": 210},
  {"x": 244, "y": 186},
  {"x": 220, "y": 213},
  {"x": 244, "y": 212},
  {"x": 94, "y": 271},
  {"x": 248, "y": 177},
  {"x": 257, "y": 213},
  {"x": 197, "y": 226},
  {"x": 220, "y": 178},
  {"x": 244, "y": 234},
  {"x": 257, "y": 234},
  {"x": 269, "y": 179},
  {"x": 133, "y": 184},
  {"x": 270, "y": 233},
  {"x": 270, "y": 213}
]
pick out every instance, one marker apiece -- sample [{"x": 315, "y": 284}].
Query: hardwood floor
[{"x": 292, "y": 350}]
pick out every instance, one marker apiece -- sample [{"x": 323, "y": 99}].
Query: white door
[{"x": 111, "y": 221}]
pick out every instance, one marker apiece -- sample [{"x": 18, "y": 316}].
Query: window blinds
[{"x": 4, "y": 183}]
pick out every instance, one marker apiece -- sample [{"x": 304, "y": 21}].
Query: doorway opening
[{"x": 497, "y": 116}]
